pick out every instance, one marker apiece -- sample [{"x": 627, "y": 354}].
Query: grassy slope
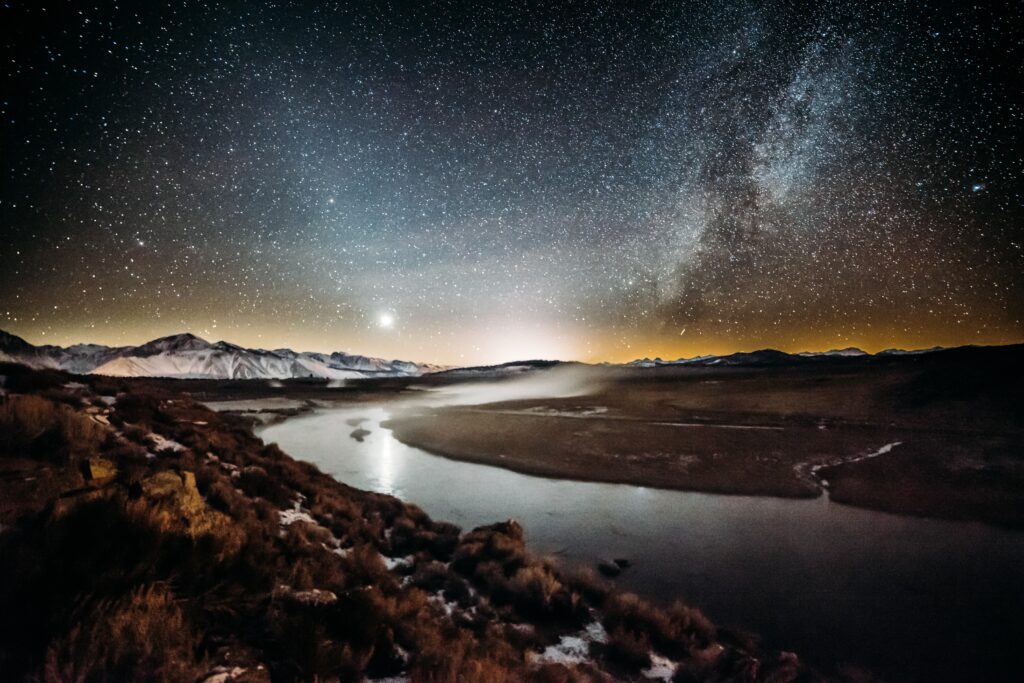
[{"x": 122, "y": 563}]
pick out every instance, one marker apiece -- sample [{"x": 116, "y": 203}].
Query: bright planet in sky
[{"x": 564, "y": 180}]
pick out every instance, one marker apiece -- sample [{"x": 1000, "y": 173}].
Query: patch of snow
[
  {"x": 867, "y": 456},
  {"x": 244, "y": 405},
  {"x": 661, "y": 668},
  {"x": 595, "y": 632},
  {"x": 578, "y": 412},
  {"x": 393, "y": 563},
  {"x": 291, "y": 516},
  {"x": 448, "y": 607},
  {"x": 222, "y": 674},
  {"x": 574, "y": 648},
  {"x": 568, "y": 651},
  {"x": 801, "y": 469},
  {"x": 161, "y": 443}
]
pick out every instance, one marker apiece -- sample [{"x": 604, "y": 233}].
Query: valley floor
[{"x": 776, "y": 431}]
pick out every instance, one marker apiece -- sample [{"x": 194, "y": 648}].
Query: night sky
[{"x": 476, "y": 182}]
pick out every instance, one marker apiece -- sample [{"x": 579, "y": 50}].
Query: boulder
[{"x": 98, "y": 470}]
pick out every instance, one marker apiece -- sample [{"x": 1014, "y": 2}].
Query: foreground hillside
[{"x": 147, "y": 538}]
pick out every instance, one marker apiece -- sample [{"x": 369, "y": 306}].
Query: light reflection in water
[
  {"x": 385, "y": 462},
  {"x": 821, "y": 578}
]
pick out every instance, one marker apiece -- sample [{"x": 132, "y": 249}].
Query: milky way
[{"x": 464, "y": 182}]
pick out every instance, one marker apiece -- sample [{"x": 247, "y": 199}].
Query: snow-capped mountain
[
  {"x": 188, "y": 356},
  {"x": 849, "y": 352}
]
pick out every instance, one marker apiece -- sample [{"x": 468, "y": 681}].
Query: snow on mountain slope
[
  {"x": 212, "y": 363},
  {"x": 188, "y": 356},
  {"x": 850, "y": 352}
]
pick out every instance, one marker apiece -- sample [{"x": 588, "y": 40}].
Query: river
[{"x": 916, "y": 599}]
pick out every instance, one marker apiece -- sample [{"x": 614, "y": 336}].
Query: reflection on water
[
  {"x": 385, "y": 469},
  {"x": 926, "y": 599}
]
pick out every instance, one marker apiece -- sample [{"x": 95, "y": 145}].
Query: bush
[
  {"x": 34, "y": 427},
  {"x": 143, "y": 636},
  {"x": 629, "y": 650}
]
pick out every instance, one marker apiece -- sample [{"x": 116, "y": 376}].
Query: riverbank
[
  {"x": 763, "y": 432},
  {"x": 147, "y": 537}
]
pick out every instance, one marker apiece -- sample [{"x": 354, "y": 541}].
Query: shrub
[
  {"x": 143, "y": 636},
  {"x": 31, "y": 426},
  {"x": 627, "y": 649}
]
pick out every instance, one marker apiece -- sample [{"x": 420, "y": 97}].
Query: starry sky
[{"x": 467, "y": 182}]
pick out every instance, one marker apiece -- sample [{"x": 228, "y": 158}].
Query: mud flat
[
  {"x": 960, "y": 451},
  {"x": 834, "y": 582}
]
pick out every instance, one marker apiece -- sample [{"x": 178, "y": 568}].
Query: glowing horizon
[
  {"x": 583, "y": 182},
  {"x": 505, "y": 352}
]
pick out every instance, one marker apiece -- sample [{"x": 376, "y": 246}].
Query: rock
[
  {"x": 314, "y": 596},
  {"x": 609, "y": 569},
  {"x": 360, "y": 434},
  {"x": 178, "y": 496},
  {"x": 98, "y": 470},
  {"x": 224, "y": 675}
]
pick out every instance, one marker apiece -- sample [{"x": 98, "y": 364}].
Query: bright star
[{"x": 386, "y": 320}]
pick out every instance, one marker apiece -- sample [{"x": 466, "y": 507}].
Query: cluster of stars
[{"x": 432, "y": 181}]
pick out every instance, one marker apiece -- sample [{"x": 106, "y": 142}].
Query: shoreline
[
  {"x": 900, "y": 480},
  {"x": 219, "y": 552}
]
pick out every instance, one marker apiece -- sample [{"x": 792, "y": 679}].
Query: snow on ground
[
  {"x": 814, "y": 469},
  {"x": 223, "y": 674},
  {"x": 575, "y": 648},
  {"x": 273, "y": 403},
  {"x": 393, "y": 563},
  {"x": 867, "y": 456},
  {"x": 555, "y": 412},
  {"x": 448, "y": 607},
  {"x": 292, "y": 516},
  {"x": 296, "y": 514},
  {"x": 160, "y": 443},
  {"x": 568, "y": 651},
  {"x": 661, "y": 668}
]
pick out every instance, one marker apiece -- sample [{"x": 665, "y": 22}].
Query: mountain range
[
  {"x": 187, "y": 356},
  {"x": 774, "y": 357}
]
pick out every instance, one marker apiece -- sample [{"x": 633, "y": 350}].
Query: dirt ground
[{"x": 781, "y": 431}]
